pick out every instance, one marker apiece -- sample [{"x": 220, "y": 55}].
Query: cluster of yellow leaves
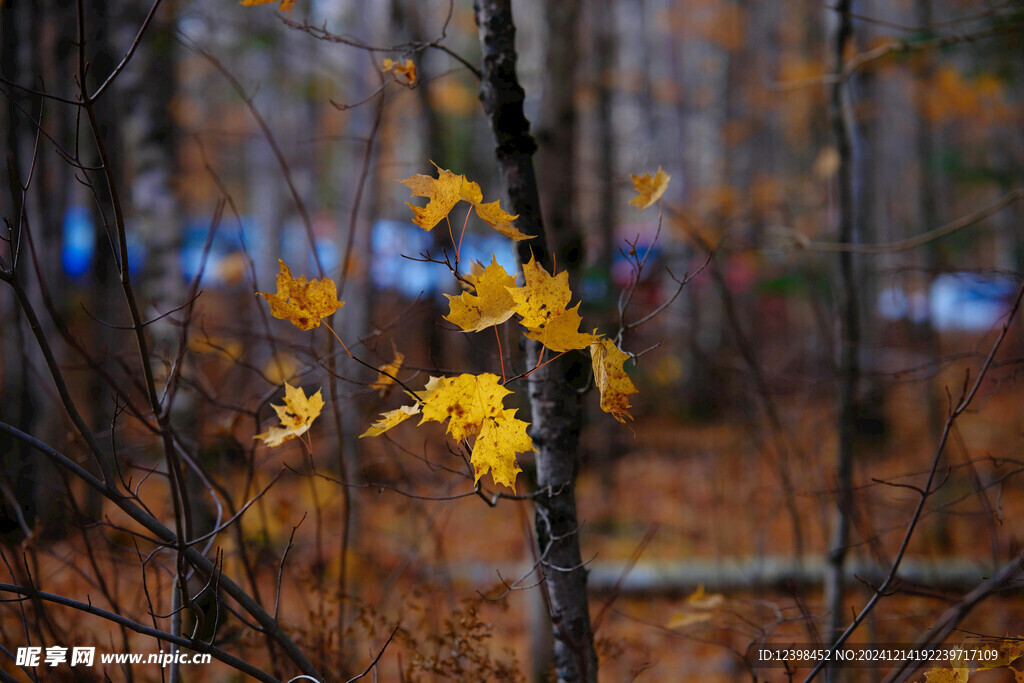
[
  {"x": 300, "y": 302},
  {"x": 447, "y": 190},
  {"x": 543, "y": 306},
  {"x": 296, "y": 415},
  {"x": 406, "y": 69},
  {"x": 1007, "y": 651},
  {"x": 286, "y": 5},
  {"x": 303, "y": 304},
  {"x": 472, "y": 405}
]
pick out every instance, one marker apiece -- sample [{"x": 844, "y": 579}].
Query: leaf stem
[
  {"x": 328, "y": 326},
  {"x": 501, "y": 355},
  {"x": 539, "y": 364},
  {"x": 463, "y": 234},
  {"x": 455, "y": 244}
]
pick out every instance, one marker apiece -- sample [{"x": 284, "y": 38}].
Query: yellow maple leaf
[
  {"x": 468, "y": 281},
  {"x": 611, "y": 378},
  {"x": 465, "y": 401},
  {"x": 391, "y": 419},
  {"x": 957, "y": 674},
  {"x": 649, "y": 189},
  {"x": 542, "y": 304},
  {"x": 296, "y": 415},
  {"x": 495, "y": 448},
  {"x": 395, "y": 417},
  {"x": 407, "y": 69},
  {"x": 1008, "y": 651},
  {"x": 472, "y": 404},
  {"x": 496, "y": 217},
  {"x": 302, "y": 303},
  {"x": 286, "y": 5},
  {"x": 447, "y": 190},
  {"x": 491, "y": 305},
  {"x": 384, "y": 383},
  {"x": 444, "y": 192}
]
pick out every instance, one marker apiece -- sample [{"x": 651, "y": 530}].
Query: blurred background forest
[{"x": 236, "y": 136}]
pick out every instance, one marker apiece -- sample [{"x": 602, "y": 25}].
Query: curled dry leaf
[
  {"x": 391, "y": 419},
  {"x": 611, "y": 378}
]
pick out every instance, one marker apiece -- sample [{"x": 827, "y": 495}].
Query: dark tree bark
[
  {"x": 553, "y": 400},
  {"x": 849, "y": 363},
  {"x": 557, "y": 135}
]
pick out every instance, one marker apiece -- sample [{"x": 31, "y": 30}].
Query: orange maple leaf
[
  {"x": 302, "y": 303},
  {"x": 286, "y": 5},
  {"x": 542, "y": 303},
  {"x": 296, "y": 415},
  {"x": 408, "y": 69},
  {"x": 649, "y": 189}
]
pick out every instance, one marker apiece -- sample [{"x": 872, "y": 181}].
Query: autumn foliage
[{"x": 472, "y": 405}]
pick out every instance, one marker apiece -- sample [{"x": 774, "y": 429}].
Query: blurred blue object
[
  {"x": 968, "y": 301},
  {"x": 191, "y": 256},
  {"x": 78, "y": 242},
  {"x": 388, "y": 241},
  {"x": 328, "y": 253},
  {"x": 391, "y": 241}
]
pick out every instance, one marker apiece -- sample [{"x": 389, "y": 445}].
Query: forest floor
[{"x": 452, "y": 573}]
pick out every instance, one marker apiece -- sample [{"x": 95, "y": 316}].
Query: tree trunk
[
  {"x": 553, "y": 401},
  {"x": 849, "y": 364}
]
